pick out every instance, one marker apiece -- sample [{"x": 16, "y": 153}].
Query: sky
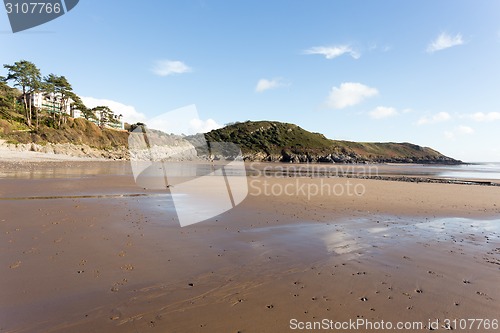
[{"x": 425, "y": 72}]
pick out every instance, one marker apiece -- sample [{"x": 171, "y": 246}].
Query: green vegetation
[
  {"x": 270, "y": 137},
  {"x": 74, "y": 131},
  {"x": 289, "y": 143},
  {"x": 58, "y": 96},
  {"x": 9, "y": 107},
  {"x": 26, "y": 76},
  {"x": 22, "y": 122}
]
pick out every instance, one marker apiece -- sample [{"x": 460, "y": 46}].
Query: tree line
[{"x": 27, "y": 77}]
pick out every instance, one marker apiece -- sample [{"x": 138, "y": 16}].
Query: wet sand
[{"x": 83, "y": 249}]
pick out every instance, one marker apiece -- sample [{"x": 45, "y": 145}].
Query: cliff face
[{"x": 282, "y": 142}]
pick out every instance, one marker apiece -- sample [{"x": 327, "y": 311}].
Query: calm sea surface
[
  {"x": 472, "y": 171},
  {"x": 476, "y": 171}
]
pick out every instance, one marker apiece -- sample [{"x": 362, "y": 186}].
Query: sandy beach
[{"x": 84, "y": 249}]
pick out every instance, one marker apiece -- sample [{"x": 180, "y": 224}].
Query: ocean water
[
  {"x": 472, "y": 171},
  {"x": 475, "y": 171}
]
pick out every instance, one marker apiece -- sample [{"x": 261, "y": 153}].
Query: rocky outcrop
[
  {"x": 68, "y": 149},
  {"x": 287, "y": 157}
]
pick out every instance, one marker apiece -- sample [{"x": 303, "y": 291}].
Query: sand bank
[{"x": 82, "y": 248}]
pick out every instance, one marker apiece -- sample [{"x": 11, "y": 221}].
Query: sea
[
  {"x": 486, "y": 170},
  {"x": 471, "y": 171}
]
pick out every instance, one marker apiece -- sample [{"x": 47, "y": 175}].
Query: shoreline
[{"x": 390, "y": 171}]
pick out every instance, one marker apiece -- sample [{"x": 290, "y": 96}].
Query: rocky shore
[
  {"x": 62, "y": 150},
  {"x": 348, "y": 157}
]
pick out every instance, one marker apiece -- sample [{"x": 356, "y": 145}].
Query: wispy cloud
[
  {"x": 265, "y": 84},
  {"x": 444, "y": 41},
  {"x": 481, "y": 116},
  {"x": 129, "y": 113},
  {"x": 465, "y": 129},
  {"x": 331, "y": 52},
  {"x": 458, "y": 131},
  {"x": 381, "y": 112},
  {"x": 381, "y": 48},
  {"x": 437, "y": 118},
  {"x": 348, "y": 94},
  {"x": 169, "y": 67}
]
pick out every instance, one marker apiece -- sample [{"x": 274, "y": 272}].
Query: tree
[
  {"x": 8, "y": 98},
  {"x": 106, "y": 117},
  {"x": 76, "y": 103},
  {"x": 27, "y": 77},
  {"x": 60, "y": 91},
  {"x": 103, "y": 114},
  {"x": 87, "y": 113}
]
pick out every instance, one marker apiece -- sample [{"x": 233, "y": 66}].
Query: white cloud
[
  {"x": 169, "y": 67},
  {"x": 203, "y": 126},
  {"x": 184, "y": 120},
  {"x": 129, "y": 113},
  {"x": 331, "y": 52},
  {"x": 265, "y": 84},
  {"x": 437, "y": 118},
  {"x": 481, "y": 116},
  {"x": 348, "y": 94},
  {"x": 464, "y": 129},
  {"x": 383, "y": 112},
  {"x": 444, "y": 41},
  {"x": 449, "y": 135},
  {"x": 458, "y": 131}
]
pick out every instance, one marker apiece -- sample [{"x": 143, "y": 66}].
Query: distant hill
[
  {"x": 259, "y": 141},
  {"x": 283, "y": 142}
]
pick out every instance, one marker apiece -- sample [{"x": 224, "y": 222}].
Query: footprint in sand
[
  {"x": 479, "y": 293},
  {"x": 15, "y": 265},
  {"x": 127, "y": 267},
  {"x": 115, "y": 314}
]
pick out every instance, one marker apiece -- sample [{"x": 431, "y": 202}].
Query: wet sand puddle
[{"x": 377, "y": 268}]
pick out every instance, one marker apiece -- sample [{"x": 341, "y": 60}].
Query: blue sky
[{"x": 426, "y": 72}]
